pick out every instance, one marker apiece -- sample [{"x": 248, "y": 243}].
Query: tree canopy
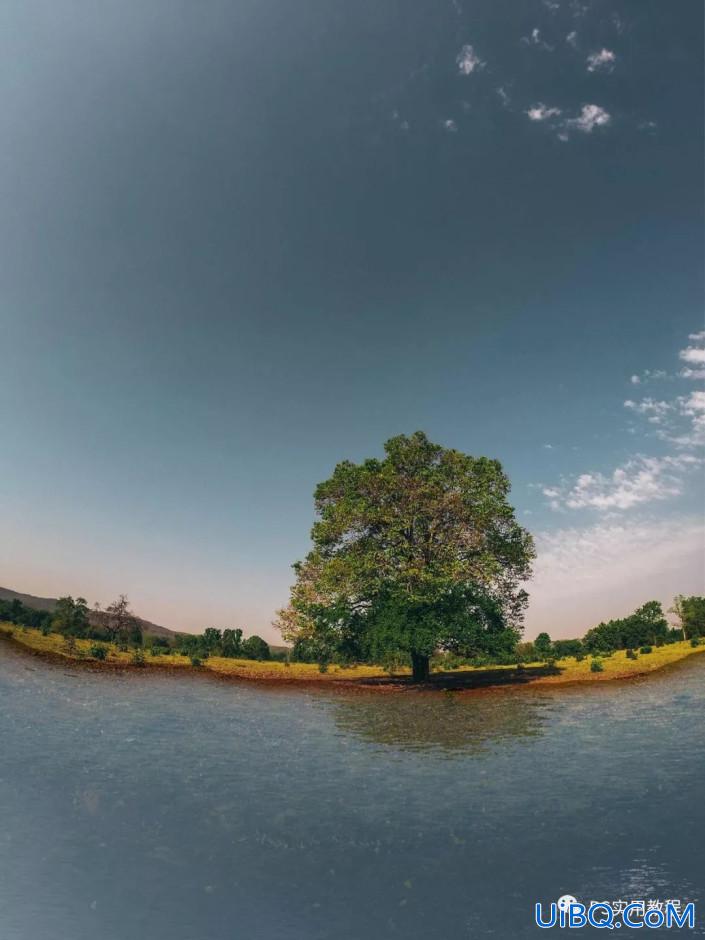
[
  {"x": 646, "y": 625},
  {"x": 413, "y": 553},
  {"x": 691, "y": 613}
]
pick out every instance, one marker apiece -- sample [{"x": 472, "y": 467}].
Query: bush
[
  {"x": 70, "y": 645},
  {"x": 138, "y": 657},
  {"x": 695, "y": 641},
  {"x": 196, "y": 661},
  {"x": 631, "y": 654},
  {"x": 98, "y": 651},
  {"x": 646, "y": 649},
  {"x": 579, "y": 657},
  {"x": 596, "y": 666}
]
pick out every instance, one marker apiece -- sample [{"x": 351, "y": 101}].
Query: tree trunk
[{"x": 419, "y": 667}]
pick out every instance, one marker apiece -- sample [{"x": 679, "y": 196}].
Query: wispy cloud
[
  {"x": 647, "y": 375},
  {"x": 655, "y": 411},
  {"x": 611, "y": 567},
  {"x": 679, "y": 421},
  {"x": 504, "y": 96},
  {"x": 572, "y": 38},
  {"x": 640, "y": 480},
  {"x": 468, "y": 61},
  {"x": 541, "y": 112},
  {"x": 450, "y": 126},
  {"x": 602, "y": 61},
  {"x": 535, "y": 39}
]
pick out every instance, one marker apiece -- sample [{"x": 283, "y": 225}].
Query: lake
[{"x": 174, "y": 808}]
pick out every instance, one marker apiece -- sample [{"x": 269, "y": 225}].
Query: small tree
[
  {"x": 691, "y": 614},
  {"x": 254, "y": 647},
  {"x": 543, "y": 646},
  {"x": 232, "y": 643},
  {"x": 121, "y": 625},
  {"x": 71, "y": 616}
]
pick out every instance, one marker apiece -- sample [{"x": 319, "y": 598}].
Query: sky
[{"x": 244, "y": 240}]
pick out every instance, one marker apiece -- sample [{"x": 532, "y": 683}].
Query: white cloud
[
  {"x": 635, "y": 380},
  {"x": 694, "y": 356},
  {"x": 584, "y": 575},
  {"x": 591, "y": 116},
  {"x": 640, "y": 480},
  {"x": 468, "y": 61},
  {"x": 450, "y": 126},
  {"x": 572, "y": 38},
  {"x": 540, "y": 112},
  {"x": 602, "y": 61}
]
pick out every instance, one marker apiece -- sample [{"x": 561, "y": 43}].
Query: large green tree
[{"x": 413, "y": 553}]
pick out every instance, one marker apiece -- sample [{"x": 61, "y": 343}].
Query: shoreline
[{"x": 275, "y": 675}]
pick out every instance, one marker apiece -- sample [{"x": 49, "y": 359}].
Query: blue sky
[{"x": 243, "y": 241}]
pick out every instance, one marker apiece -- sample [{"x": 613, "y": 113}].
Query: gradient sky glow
[{"x": 244, "y": 240}]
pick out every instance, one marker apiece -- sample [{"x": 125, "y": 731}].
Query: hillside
[{"x": 49, "y": 603}]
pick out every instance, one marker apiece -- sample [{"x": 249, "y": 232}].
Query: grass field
[{"x": 616, "y": 666}]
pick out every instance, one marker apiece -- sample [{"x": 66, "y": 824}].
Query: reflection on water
[
  {"x": 467, "y": 724},
  {"x": 154, "y": 808}
]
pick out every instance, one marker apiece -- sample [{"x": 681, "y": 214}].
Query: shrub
[
  {"x": 323, "y": 667},
  {"x": 196, "y": 661},
  {"x": 646, "y": 649},
  {"x": 98, "y": 651},
  {"x": 631, "y": 654},
  {"x": 579, "y": 657},
  {"x": 70, "y": 644},
  {"x": 596, "y": 666},
  {"x": 695, "y": 641},
  {"x": 137, "y": 657}
]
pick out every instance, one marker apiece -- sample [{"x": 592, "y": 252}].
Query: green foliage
[
  {"x": 196, "y": 661},
  {"x": 596, "y": 666},
  {"x": 691, "y": 613},
  {"x": 564, "y": 648},
  {"x": 695, "y": 641},
  {"x": 645, "y": 649},
  {"x": 98, "y": 651},
  {"x": 231, "y": 643},
  {"x": 645, "y": 626},
  {"x": 254, "y": 647},
  {"x": 414, "y": 553},
  {"x": 137, "y": 657},
  {"x": 71, "y": 617},
  {"x": 543, "y": 646},
  {"x": 15, "y": 611},
  {"x": 631, "y": 654}
]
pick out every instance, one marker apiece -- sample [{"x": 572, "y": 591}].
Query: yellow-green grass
[
  {"x": 616, "y": 666},
  {"x": 55, "y": 645}
]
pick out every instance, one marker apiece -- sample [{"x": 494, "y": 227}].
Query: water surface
[{"x": 158, "y": 808}]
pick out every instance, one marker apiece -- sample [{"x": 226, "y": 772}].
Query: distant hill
[{"x": 49, "y": 603}]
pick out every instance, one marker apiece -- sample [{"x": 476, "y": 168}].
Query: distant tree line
[
  {"x": 116, "y": 623},
  {"x": 645, "y": 628}
]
